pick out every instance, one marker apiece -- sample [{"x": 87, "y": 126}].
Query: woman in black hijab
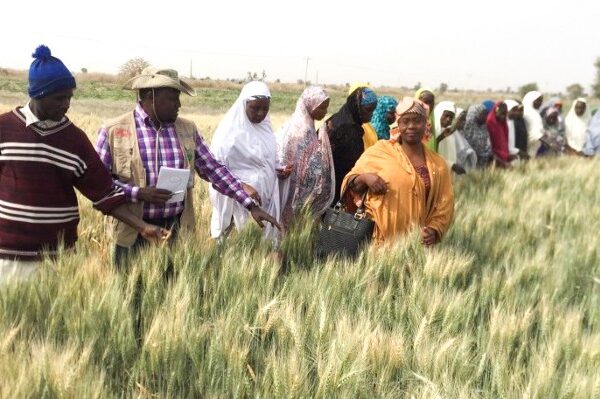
[{"x": 345, "y": 132}]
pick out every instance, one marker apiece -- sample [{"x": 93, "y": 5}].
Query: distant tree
[
  {"x": 575, "y": 90},
  {"x": 596, "y": 85},
  {"x": 526, "y": 88},
  {"x": 133, "y": 67},
  {"x": 84, "y": 70},
  {"x": 250, "y": 76},
  {"x": 508, "y": 90},
  {"x": 277, "y": 80},
  {"x": 417, "y": 86},
  {"x": 443, "y": 88}
]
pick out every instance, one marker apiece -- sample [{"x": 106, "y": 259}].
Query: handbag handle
[{"x": 360, "y": 211}]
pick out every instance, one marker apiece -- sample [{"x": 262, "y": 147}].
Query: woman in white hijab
[
  {"x": 444, "y": 113},
  {"x": 245, "y": 143},
  {"x": 576, "y": 124},
  {"x": 308, "y": 154},
  {"x": 535, "y": 125}
]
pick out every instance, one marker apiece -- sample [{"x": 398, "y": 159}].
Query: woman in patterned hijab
[
  {"x": 308, "y": 154},
  {"x": 477, "y": 134},
  {"x": 383, "y": 116}
]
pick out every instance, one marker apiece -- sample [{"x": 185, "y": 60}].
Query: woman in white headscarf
[
  {"x": 576, "y": 124},
  {"x": 308, "y": 153},
  {"x": 444, "y": 113},
  {"x": 535, "y": 125},
  {"x": 245, "y": 143}
]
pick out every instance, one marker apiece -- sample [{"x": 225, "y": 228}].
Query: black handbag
[{"x": 344, "y": 233}]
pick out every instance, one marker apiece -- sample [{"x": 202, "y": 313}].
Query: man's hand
[
  {"x": 428, "y": 236},
  {"x": 260, "y": 216},
  {"x": 154, "y": 234},
  {"x": 154, "y": 195},
  {"x": 252, "y": 193}
]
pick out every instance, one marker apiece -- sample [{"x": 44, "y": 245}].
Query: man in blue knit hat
[
  {"x": 47, "y": 74},
  {"x": 43, "y": 158}
]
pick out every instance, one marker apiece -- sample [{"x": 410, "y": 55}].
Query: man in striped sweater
[{"x": 43, "y": 158}]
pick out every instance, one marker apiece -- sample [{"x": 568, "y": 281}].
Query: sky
[{"x": 465, "y": 44}]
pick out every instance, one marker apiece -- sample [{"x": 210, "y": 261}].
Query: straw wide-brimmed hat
[{"x": 154, "y": 78}]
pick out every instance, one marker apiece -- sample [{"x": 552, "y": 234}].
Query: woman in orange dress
[{"x": 407, "y": 184}]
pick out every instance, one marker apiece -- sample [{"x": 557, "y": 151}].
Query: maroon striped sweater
[{"x": 39, "y": 170}]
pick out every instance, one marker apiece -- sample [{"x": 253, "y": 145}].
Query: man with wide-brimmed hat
[
  {"x": 43, "y": 158},
  {"x": 136, "y": 145}
]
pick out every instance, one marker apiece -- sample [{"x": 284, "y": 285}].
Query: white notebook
[{"x": 175, "y": 180}]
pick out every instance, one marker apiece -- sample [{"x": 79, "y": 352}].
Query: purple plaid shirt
[{"x": 169, "y": 154}]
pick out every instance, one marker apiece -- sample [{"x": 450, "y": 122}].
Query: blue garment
[
  {"x": 47, "y": 74},
  {"x": 592, "y": 142},
  {"x": 379, "y": 119},
  {"x": 368, "y": 97},
  {"x": 489, "y": 105}
]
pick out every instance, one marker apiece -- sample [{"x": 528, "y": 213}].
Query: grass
[{"x": 508, "y": 306}]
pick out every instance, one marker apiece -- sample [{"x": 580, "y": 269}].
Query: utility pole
[
  {"x": 191, "y": 75},
  {"x": 306, "y": 71},
  {"x": 317, "y": 78}
]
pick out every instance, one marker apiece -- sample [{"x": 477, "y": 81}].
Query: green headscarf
[{"x": 432, "y": 143}]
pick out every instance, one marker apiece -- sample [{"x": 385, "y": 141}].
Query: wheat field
[{"x": 508, "y": 306}]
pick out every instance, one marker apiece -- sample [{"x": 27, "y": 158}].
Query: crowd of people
[{"x": 395, "y": 157}]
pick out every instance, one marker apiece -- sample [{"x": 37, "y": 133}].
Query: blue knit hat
[{"x": 47, "y": 74}]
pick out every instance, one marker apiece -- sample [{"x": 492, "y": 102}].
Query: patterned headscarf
[
  {"x": 410, "y": 105},
  {"x": 309, "y": 154},
  {"x": 379, "y": 121},
  {"x": 477, "y": 135}
]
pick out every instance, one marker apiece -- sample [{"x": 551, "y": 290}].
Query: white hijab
[
  {"x": 533, "y": 121},
  {"x": 512, "y": 149},
  {"x": 446, "y": 147},
  {"x": 465, "y": 154},
  {"x": 249, "y": 151},
  {"x": 576, "y": 126}
]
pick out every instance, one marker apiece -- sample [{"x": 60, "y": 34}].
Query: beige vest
[{"x": 128, "y": 167}]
